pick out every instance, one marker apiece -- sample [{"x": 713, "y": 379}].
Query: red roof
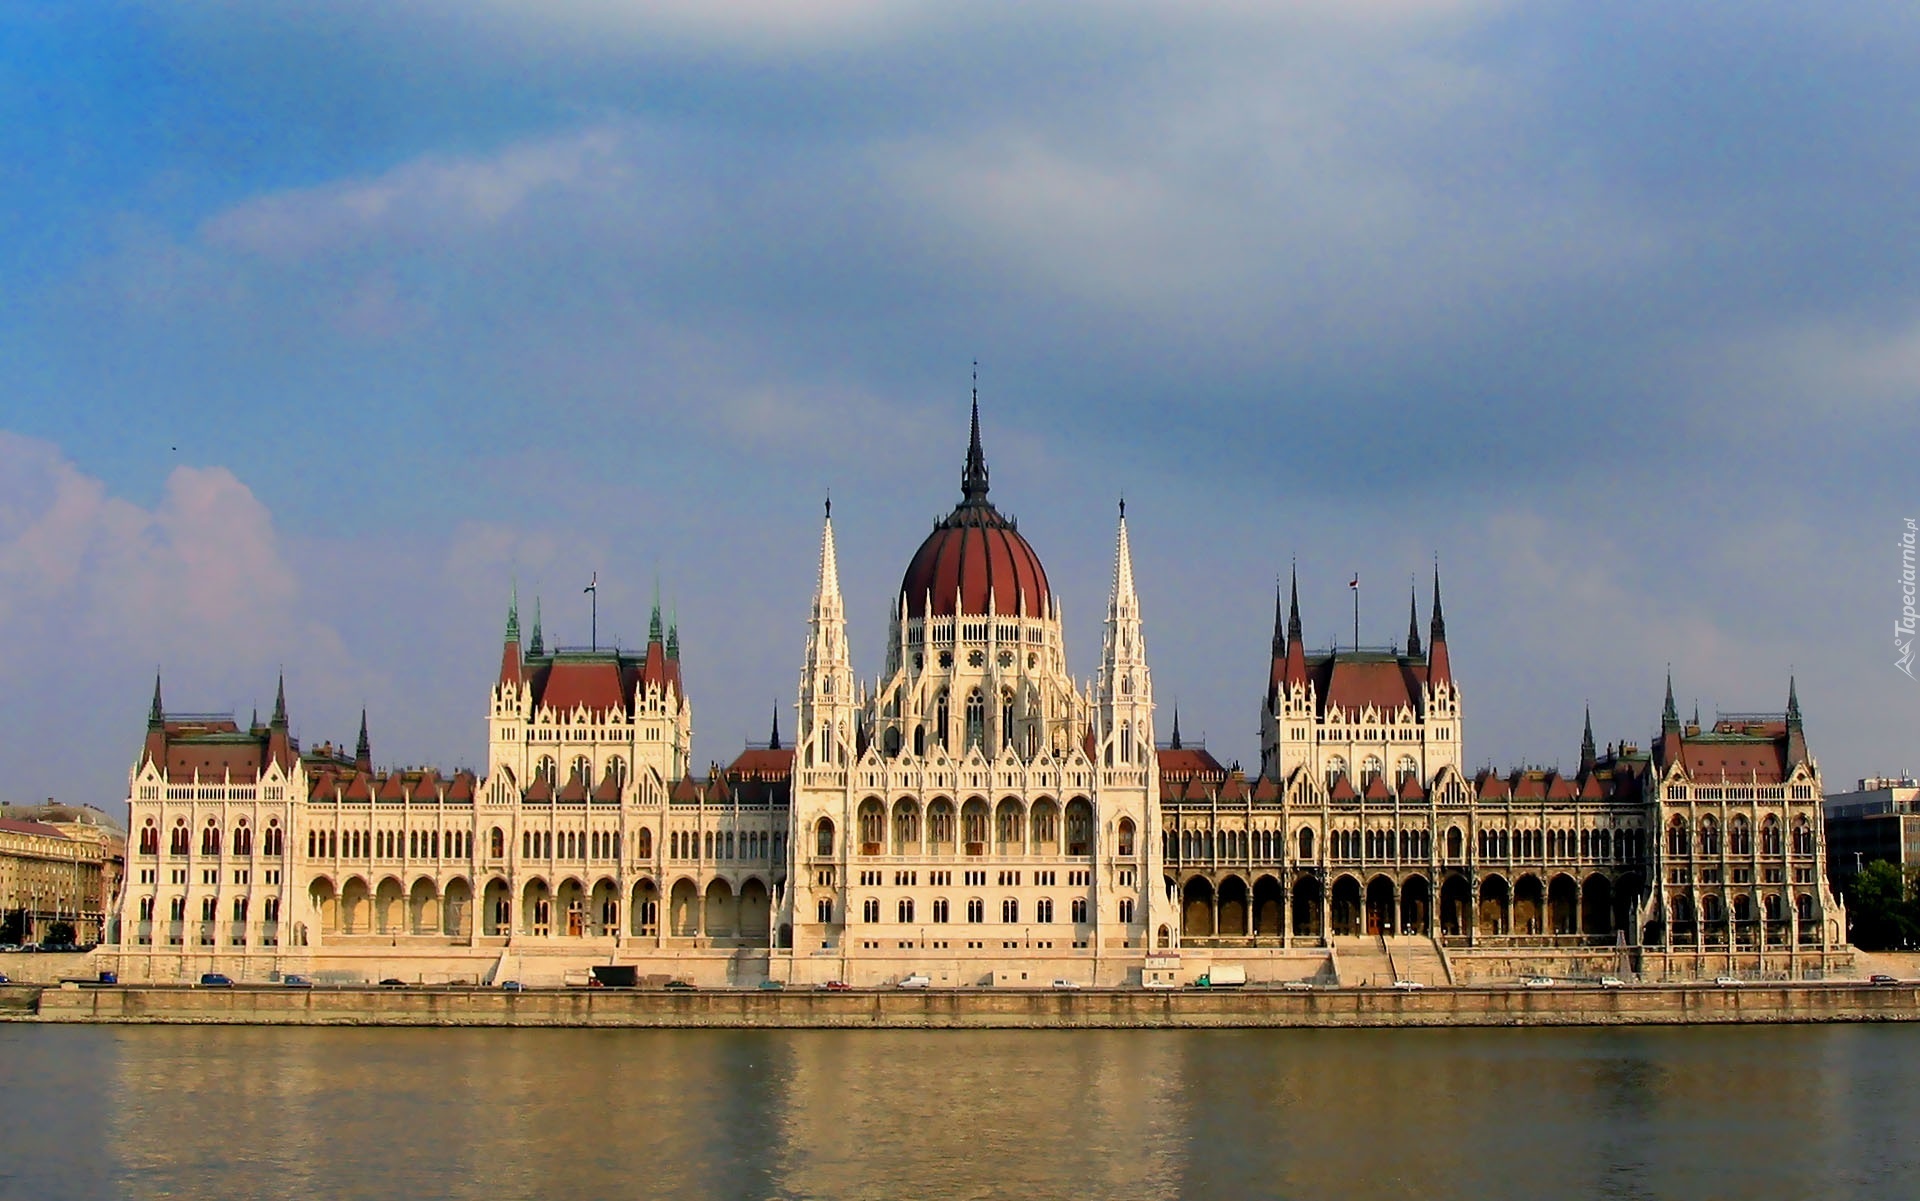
[
  {"x": 758, "y": 763},
  {"x": 1188, "y": 762},
  {"x": 25, "y": 827},
  {"x": 1763, "y": 762},
  {"x": 566, "y": 684},
  {"x": 1378, "y": 681},
  {"x": 1491, "y": 787},
  {"x": 1342, "y": 789},
  {"x": 978, "y": 558}
]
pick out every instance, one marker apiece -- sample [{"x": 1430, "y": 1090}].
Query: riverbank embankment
[{"x": 969, "y": 1008}]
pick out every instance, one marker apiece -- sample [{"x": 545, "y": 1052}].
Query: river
[{"x": 215, "y": 1112}]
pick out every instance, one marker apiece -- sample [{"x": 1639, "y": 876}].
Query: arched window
[
  {"x": 823, "y": 835},
  {"x": 1677, "y": 843},
  {"x": 242, "y": 839},
  {"x": 976, "y": 718},
  {"x": 177, "y": 840},
  {"x": 824, "y": 910},
  {"x": 1079, "y": 827},
  {"x": 274, "y": 844},
  {"x": 1455, "y": 841},
  {"x": 1740, "y": 836},
  {"x": 1770, "y": 836},
  {"x": 1405, "y": 770},
  {"x": 150, "y": 839},
  {"x": 546, "y": 769},
  {"x": 906, "y": 827},
  {"x": 1804, "y": 907},
  {"x": 1336, "y": 767},
  {"x": 1370, "y": 769},
  {"x": 1306, "y": 842},
  {"x": 583, "y": 768},
  {"x": 1709, "y": 836},
  {"x": 873, "y": 820},
  {"x": 920, "y": 741},
  {"x": 1010, "y": 910},
  {"x": 1126, "y": 837},
  {"x": 1802, "y": 837},
  {"x": 497, "y": 845},
  {"x": 1006, "y": 717},
  {"x": 643, "y": 844},
  {"x": 906, "y": 910},
  {"x": 940, "y": 722},
  {"x": 617, "y": 771},
  {"x": 210, "y": 839},
  {"x": 940, "y": 823}
]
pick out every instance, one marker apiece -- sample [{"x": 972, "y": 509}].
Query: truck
[{"x": 1224, "y": 977}]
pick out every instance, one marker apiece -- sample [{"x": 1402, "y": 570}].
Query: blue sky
[{"x": 321, "y": 324}]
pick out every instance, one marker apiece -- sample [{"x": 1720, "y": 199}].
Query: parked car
[
  {"x": 1538, "y": 982},
  {"x": 1408, "y": 985},
  {"x": 1727, "y": 982},
  {"x": 1612, "y": 982},
  {"x": 1298, "y": 986},
  {"x": 4, "y": 978},
  {"x": 837, "y": 986},
  {"x": 109, "y": 978},
  {"x": 393, "y": 982},
  {"x": 295, "y": 982},
  {"x": 770, "y": 985},
  {"x": 1882, "y": 978},
  {"x": 511, "y": 986},
  {"x": 1064, "y": 984},
  {"x": 679, "y": 986},
  {"x": 215, "y": 980},
  {"x": 916, "y": 980}
]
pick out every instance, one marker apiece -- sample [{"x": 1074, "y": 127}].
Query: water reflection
[{"x": 239, "y": 1112}]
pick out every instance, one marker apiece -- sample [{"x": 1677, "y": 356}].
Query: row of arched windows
[
  {"x": 1683, "y": 839},
  {"x": 1010, "y": 826},
  {"x": 213, "y": 839}
]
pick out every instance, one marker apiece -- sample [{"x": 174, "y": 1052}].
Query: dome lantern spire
[{"x": 973, "y": 479}]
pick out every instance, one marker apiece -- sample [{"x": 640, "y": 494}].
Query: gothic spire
[
  {"x": 1123, "y": 592},
  {"x": 1413, "y": 624},
  {"x": 363, "y": 750},
  {"x": 830, "y": 558},
  {"x": 973, "y": 480},
  {"x": 773, "y": 740},
  {"x": 1293, "y": 609},
  {"x": 673, "y": 632},
  {"x": 534, "y": 646},
  {"x": 1279, "y": 622},
  {"x": 654, "y": 632},
  {"x": 1796, "y": 733},
  {"x": 1669, "y": 713},
  {"x": 513, "y": 616},
  {"x": 1437, "y": 628},
  {"x": 1176, "y": 728},
  {"x": 156, "y": 715},
  {"x": 280, "y": 702},
  {"x": 1793, "y": 704},
  {"x": 1587, "y": 755}
]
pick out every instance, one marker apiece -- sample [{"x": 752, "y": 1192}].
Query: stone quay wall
[{"x": 967, "y": 1008}]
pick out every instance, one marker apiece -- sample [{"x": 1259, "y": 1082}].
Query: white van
[{"x": 915, "y": 981}]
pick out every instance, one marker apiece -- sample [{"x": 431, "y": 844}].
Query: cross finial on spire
[
  {"x": 973, "y": 480},
  {"x": 1123, "y": 508},
  {"x": 829, "y": 504}
]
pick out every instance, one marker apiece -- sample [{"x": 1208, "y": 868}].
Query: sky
[{"x": 324, "y": 326}]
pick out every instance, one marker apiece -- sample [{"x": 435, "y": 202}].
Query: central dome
[{"x": 975, "y": 562}]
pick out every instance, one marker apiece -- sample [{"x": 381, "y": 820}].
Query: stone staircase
[
  {"x": 1362, "y": 961},
  {"x": 1419, "y": 959}
]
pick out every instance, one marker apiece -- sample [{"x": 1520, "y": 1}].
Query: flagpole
[
  {"x": 593, "y": 622},
  {"x": 1356, "y": 612}
]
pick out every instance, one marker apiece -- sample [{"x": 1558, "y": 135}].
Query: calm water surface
[{"x": 205, "y": 1112}]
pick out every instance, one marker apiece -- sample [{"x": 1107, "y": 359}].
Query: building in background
[
  {"x": 59, "y": 865},
  {"x": 1878, "y": 820}
]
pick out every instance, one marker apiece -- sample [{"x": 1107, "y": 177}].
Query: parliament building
[{"x": 979, "y": 816}]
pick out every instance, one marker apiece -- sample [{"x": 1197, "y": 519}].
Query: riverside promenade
[{"x": 968, "y": 1008}]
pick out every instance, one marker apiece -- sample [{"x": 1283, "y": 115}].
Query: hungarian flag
[{"x": 1354, "y": 583}]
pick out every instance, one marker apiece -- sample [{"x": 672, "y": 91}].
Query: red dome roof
[{"x": 975, "y": 557}]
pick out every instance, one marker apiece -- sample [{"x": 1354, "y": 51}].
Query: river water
[{"x": 198, "y": 1112}]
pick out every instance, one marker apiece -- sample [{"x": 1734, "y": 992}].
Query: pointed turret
[
  {"x": 363, "y": 750},
  {"x": 654, "y": 633},
  {"x": 1439, "y": 665},
  {"x": 1413, "y": 624},
  {"x": 279, "y": 745},
  {"x": 510, "y": 664},
  {"x": 673, "y": 638},
  {"x": 1588, "y": 756},
  {"x": 1175, "y": 745},
  {"x": 534, "y": 644},
  {"x": 156, "y": 713},
  {"x": 1124, "y": 689},
  {"x": 773, "y": 739},
  {"x": 1279, "y": 625},
  {"x": 827, "y": 726},
  {"x": 973, "y": 478},
  {"x": 1669, "y": 713},
  {"x": 1796, "y": 732},
  {"x": 280, "y": 703},
  {"x": 1293, "y": 671}
]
